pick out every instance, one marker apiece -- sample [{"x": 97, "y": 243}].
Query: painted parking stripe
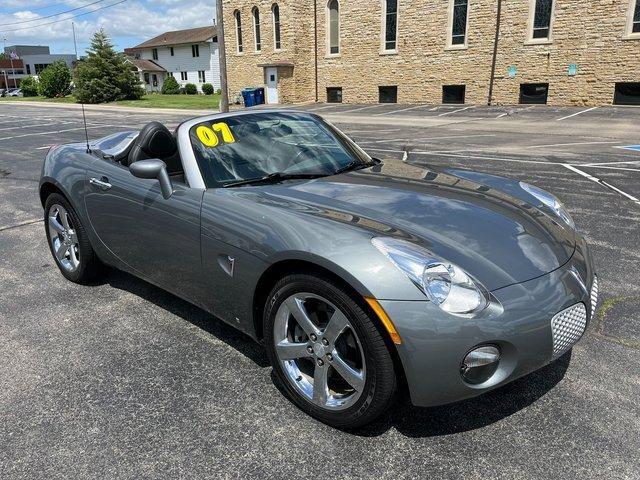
[
  {"x": 576, "y": 114},
  {"x": 634, "y": 148},
  {"x": 570, "y": 144},
  {"x": 456, "y": 111},
  {"x": 601, "y": 182},
  {"x": 424, "y": 139},
  {"x": 36, "y": 125},
  {"x": 58, "y": 131},
  {"x": 360, "y": 108},
  {"x": 402, "y": 110},
  {"x": 633, "y": 162}
]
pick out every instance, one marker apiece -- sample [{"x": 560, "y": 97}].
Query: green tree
[
  {"x": 55, "y": 80},
  {"x": 105, "y": 75},
  {"x": 29, "y": 86},
  {"x": 170, "y": 86}
]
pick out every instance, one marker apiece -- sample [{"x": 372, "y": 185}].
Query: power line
[
  {"x": 45, "y": 7},
  {"x": 53, "y": 14},
  {"x": 63, "y": 19}
]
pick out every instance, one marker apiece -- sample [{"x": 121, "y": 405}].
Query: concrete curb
[{"x": 113, "y": 108}]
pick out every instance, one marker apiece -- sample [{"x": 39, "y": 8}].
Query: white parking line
[
  {"x": 360, "y": 108},
  {"x": 402, "y": 110},
  {"x": 423, "y": 139},
  {"x": 456, "y": 111},
  {"x": 36, "y": 125},
  {"x": 601, "y": 182},
  {"x": 610, "y": 163},
  {"x": 58, "y": 131},
  {"x": 576, "y": 114},
  {"x": 317, "y": 109},
  {"x": 571, "y": 144}
]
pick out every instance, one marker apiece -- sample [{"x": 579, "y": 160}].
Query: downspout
[
  {"x": 315, "y": 43},
  {"x": 495, "y": 53}
]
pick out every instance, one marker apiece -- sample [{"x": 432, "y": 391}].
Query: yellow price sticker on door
[{"x": 210, "y": 136}]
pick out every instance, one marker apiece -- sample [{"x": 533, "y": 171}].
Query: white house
[{"x": 191, "y": 56}]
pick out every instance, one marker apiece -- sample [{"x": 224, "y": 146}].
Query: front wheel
[{"x": 327, "y": 352}]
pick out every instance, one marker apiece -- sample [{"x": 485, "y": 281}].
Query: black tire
[
  {"x": 89, "y": 265},
  {"x": 380, "y": 380}
]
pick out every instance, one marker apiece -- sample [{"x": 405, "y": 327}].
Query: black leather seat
[{"x": 155, "y": 141}]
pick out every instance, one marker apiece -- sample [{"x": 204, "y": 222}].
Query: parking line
[
  {"x": 59, "y": 131},
  {"x": 601, "y": 182},
  {"x": 576, "y": 114},
  {"x": 456, "y": 111},
  {"x": 610, "y": 163},
  {"x": 359, "y": 108},
  {"x": 402, "y": 110},
  {"x": 37, "y": 125},
  {"x": 423, "y": 139},
  {"x": 571, "y": 144}
]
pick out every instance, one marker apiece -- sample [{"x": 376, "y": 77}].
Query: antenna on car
[{"x": 84, "y": 117}]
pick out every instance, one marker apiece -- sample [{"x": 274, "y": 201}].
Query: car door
[{"x": 157, "y": 238}]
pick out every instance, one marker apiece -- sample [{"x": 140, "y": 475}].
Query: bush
[
  {"x": 105, "y": 76},
  {"x": 190, "y": 89},
  {"x": 170, "y": 86},
  {"x": 219, "y": 91},
  {"x": 55, "y": 80},
  {"x": 29, "y": 86},
  {"x": 207, "y": 89}
]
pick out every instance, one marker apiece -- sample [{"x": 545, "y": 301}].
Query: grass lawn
[{"x": 187, "y": 102}]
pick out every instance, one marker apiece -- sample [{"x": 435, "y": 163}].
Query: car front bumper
[{"x": 434, "y": 343}]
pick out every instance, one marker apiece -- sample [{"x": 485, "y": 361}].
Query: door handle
[{"x": 102, "y": 184}]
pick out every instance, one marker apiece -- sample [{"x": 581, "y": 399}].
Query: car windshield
[{"x": 253, "y": 146}]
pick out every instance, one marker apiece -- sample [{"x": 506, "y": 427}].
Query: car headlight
[
  {"x": 445, "y": 284},
  {"x": 550, "y": 201}
]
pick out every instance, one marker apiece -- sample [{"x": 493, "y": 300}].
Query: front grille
[
  {"x": 567, "y": 327},
  {"x": 594, "y": 296}
]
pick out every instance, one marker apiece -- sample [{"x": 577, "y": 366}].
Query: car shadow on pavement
[
  {"x": 407, "y": 419},
  {"x": 473, "y": 413},
  {"x": 191, "y": 313}
]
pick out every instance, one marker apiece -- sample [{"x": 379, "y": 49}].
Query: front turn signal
[{"x": 384, "y": 318}]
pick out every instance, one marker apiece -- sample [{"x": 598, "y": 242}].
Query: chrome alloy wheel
[
  {"x": 63, "y": 238},
  {"x": 319, "y": 351}
]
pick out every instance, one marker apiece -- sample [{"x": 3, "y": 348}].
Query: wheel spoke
[
  {"x": 73, "y": 236},
  {"x": 61, "y": 251},
  {"x": 337, "y": 324},
  {"x": 74, "y": 257},
  {"x": 320, "y": 387},
  {"x": 290, "y": 350},
  {"x": 296, "y": 307},
  {"x": 352, "y": 376},
  {"x": 64, "y": 218},
  {"x": 55, "y": 225}
]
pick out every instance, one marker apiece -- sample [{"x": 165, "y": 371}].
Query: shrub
[
  {"x": 170, "y": 86},
  {"x": 190, "y": 89},
  {"x": 55, "y": 80},
  {"x": 219, "y": 91},
  {"x": 105, "y": 76},
  {"x": 207, "y": 89},
  {"x": 29, "y": 86}
]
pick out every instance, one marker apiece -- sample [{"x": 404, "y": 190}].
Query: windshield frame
[{"x": 192, "y": 167}]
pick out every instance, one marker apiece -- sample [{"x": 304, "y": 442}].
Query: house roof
[
  {"x": 177, "y": 37},
  {"x": 146, "y": 65}
]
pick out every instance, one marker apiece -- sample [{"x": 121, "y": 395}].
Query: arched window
[
  {"x": 275, "y": 12},
  {"x": 236, "y": 15},
  {"x": 256, "y": 27},
  {"x": 333, "y": 25}
]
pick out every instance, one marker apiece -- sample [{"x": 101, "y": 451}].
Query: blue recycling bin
[
  {"x": 249, "y": 97},
  {"x": 259, "y": 93}
]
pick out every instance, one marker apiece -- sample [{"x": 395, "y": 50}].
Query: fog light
[{"x": 480, "y": 364}]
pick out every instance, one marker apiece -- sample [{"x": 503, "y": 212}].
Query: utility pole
[
  {"x": 222, "y": 58},
  {"x": 13, "y": 72}
]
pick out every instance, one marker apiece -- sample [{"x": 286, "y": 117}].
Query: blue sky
[{"x": 128, "y": 23}]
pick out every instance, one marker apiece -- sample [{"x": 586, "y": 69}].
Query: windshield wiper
[
  {"x": 357, "y": 165},
  {"x": 273, "y": 177}
]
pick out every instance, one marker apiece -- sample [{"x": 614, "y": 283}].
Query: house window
[
  {"x": 171, "y": 51},
  {"x": 388, "y": 94},
  {"x": 236, "y": 15},
  {"x": 334, "y": 27},
  {"x": 334, "y": 94},
  {"x": 390, "y": 24},
  {"x": 453, "y": 93},
  {"x": 534, "y": 93},
  {"x": 635, "y": 28},
  {"x": 201, "y": 76},
  {"x": 459, "y": 14},
  {"x": 275, "y": 12},
  {"x": 183, "y": 76},
  {"x": 541, "y": 28},
  {"x": 256, "y": 27},
  {"x": 154, "y": 53},
  {"x": 146, "y": 78},
  {"x": 155, "y": 79},
  {"x": 38, "y": 67},
  {"x": 627, "y": 93},
  {"x": 195, "y": 50},
  {"x": 28, "y": 69}
]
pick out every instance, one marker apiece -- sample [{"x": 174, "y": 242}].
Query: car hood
[{"x": 498, "y": 238}]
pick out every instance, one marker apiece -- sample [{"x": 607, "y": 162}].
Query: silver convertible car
[{"x": 357, "y": 277}]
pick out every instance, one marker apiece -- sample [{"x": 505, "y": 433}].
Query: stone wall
[{"x": 588, "y": 34}]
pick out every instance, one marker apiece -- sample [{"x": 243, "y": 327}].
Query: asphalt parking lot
[{"x": 123, "y": 380}]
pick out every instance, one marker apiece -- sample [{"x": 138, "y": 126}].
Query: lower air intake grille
[
  {"x": 567, "y": 328},
  {"x": 594, "y": 296}
]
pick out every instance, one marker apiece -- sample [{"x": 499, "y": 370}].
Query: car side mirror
[{"x": 153, "y": 168}]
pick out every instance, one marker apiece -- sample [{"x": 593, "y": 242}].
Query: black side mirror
[{"x": 153, "y": 169}]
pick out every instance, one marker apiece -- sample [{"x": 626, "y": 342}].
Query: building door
[{"x": 272, "y": 84}]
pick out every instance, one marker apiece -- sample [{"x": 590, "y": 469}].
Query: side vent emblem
[{"x": 227, "y": 264}]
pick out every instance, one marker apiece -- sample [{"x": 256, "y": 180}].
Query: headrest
[{"x": 154, "y": 141}]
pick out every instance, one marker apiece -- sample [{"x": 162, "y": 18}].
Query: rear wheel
[
  {"x": 68, "y": 241},
  {"x": 327, "y": 353}
]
